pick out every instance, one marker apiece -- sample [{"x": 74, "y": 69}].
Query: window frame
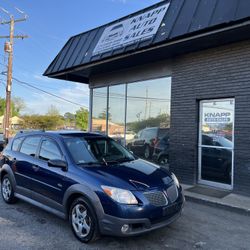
[
  {"x": 25, "y": 138},
  {"x": 44, "y": 138},
  {"x": 19, "y": 146}
]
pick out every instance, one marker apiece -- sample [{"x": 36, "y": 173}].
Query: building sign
[
  {"x": 217, "y": 117},
  {"x": 132, "y": 30}
]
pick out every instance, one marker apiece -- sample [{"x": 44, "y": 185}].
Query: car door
[
  {"x": 49, "y": 182},
  {"x": 25, "y": 160}
]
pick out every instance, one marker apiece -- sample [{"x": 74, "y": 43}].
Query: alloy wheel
[
  {"x": 6, "y": 189},
  {"x": 81, "y": 221}
]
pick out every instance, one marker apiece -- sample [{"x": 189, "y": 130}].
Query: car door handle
[{"x": 35, "y": 167}]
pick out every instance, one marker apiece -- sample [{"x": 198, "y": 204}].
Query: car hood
[{"x": 133, "y": 175}]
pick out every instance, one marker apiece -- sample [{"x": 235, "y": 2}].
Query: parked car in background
[
  {"x": 216, "y": 158},
  {"x": 144, "y": 142},
  {"x": 161, "y": 151},
  {"x": 2, "y": 142},
  {"x": 90, "y": 180}
]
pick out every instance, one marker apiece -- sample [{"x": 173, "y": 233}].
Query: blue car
[{"x": 90, "y": 180}]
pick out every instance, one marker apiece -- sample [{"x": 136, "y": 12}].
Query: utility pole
[{"x": 9, "y": 49}]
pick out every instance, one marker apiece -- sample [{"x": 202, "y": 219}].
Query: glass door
[{"x": 216, "y": 143}]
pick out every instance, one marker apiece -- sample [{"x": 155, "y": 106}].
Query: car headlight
[
  {"x": 174, "y": 178},
  {"x": 120, "y": 195}
]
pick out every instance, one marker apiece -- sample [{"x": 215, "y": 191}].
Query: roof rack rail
[{"x": 31, "y": 130}]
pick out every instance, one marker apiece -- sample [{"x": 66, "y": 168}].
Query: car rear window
[
  {"x": 16, "y": 144},
  {"x": 30, "y": 144}
]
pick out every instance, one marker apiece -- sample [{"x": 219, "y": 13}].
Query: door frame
[{"x": 200, "y": 146}]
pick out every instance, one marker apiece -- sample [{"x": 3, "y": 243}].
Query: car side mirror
[
  {"x": 136, "y": 137},
  {"x": 58, "y": 164}
]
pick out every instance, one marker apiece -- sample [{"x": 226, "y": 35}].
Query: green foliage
[
  {"x": 81, "y": 117},
  {"x": 69, "y": 117},
  {"x": 46, "y": 122},
  {"x": 53, "y": 111},
  {"x": 17, "y": 105}
]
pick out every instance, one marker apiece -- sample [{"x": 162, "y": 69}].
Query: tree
[
  {"x": 17, "y": 105},
  {"x": 45, "y": 122},
  {"x": 69, "y": 116},
  {"x": 103, "y": 115},
  {"x": 53, "y": 111},
  {"x": 82, "y": 116}
]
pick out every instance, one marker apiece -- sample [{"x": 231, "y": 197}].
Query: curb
[{"x": 221, "y": 205}]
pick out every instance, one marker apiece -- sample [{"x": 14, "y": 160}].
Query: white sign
[
  {"x": 217, "y": 117},
  {"x": 129, "y": 31}
]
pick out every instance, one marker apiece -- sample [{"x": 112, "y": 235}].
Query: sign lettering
[{"x": 132, "y": 30}]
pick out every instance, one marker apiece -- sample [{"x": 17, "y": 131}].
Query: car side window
[
  {"x": 16, "y": 144},
  {"x": 49, "y": 150},
  {"x": 30, "y": 145}
]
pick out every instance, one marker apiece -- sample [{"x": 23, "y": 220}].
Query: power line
[{"x": 48, "y": 93}]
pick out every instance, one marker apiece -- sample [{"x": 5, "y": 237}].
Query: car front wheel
[
  {"x": 83, "y": 221},
  {"x": 7, "y": 190}
]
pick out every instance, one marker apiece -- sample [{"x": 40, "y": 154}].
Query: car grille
[
  {"x": 156, "y": 198},
  {"x": 172, "y": 193}
]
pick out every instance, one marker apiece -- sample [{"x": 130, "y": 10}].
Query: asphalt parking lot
[{"x": 23, "y": 226}]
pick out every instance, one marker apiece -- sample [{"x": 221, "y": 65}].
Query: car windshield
[
  {"x": 1, "y": 137},
  {"x": 86, "y": 150}
]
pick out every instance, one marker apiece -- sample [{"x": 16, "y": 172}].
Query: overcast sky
[{"x": 49, "y": 26}]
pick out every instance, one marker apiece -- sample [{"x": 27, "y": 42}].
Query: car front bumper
[{"x": 110, "y": 225}]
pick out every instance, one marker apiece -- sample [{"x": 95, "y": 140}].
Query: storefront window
[
  {"x": 146, "y": 110},
  {"x": 148, "y": 118},
  {"x": 99, "y": 110},
  {"x": 116, "y": 114}
]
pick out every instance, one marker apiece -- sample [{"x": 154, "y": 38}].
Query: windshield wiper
[
  {"x": 90, "y": 163},
  {"x": 125, "y": 159}
]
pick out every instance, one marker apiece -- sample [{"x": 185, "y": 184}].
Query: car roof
[{"x": 59, "y": 133}]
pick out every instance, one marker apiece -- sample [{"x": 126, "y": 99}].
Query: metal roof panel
[
  {"x": 203, "y": 15},
  {"x": 224, "y": 12},
  {"x": 182, "y": 18}
]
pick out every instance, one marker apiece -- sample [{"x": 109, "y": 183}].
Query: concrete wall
[{"x": 215, "y": 73}]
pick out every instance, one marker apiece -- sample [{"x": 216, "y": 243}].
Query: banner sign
[
  {"x": 132, "y": 30},
  {"x": 217, "y": 117}
]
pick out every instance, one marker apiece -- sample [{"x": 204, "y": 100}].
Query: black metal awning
[{"x": 186, "y": 25}]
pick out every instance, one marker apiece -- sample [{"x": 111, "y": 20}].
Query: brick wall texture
[{"x": 220, "y": 72}]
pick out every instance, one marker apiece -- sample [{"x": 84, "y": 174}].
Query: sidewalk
[{"x": 232, "y": 202}]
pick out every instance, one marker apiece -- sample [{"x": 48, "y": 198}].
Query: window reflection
[
  {"x": 148, "y": 119},
  {"x": 147, "y": 116},
  {"x": 216, "y": 136},
  {"x": 217, "y": 121},
  {"x": 116, "y": 114},
  {"x": 99, "y": 110}
]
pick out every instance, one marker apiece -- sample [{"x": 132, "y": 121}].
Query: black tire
[
  {"x": 147, "y": 152},
  {"x": 7, "y": 190},
  {"x": 79, "y": 224}
]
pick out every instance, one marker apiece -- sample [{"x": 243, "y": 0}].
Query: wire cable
[{"x": 48, "y": 93}]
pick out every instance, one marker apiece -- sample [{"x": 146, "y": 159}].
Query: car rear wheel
[
  {"x": 83, "y": 221},
  {"x": 7, "y": 190}
]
